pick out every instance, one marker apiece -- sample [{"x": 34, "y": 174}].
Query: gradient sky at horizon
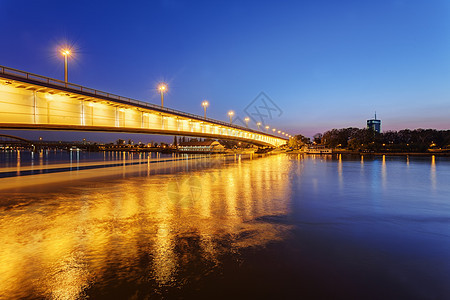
[{"x": 326, "y": 64}]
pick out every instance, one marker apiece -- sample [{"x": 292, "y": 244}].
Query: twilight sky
[{"x": 325, "y": 63}]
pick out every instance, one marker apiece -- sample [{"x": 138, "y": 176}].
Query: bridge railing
[{"x": 75, "y": 87}]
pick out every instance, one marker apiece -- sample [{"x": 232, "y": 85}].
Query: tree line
[{"x": 356, "y": 139}]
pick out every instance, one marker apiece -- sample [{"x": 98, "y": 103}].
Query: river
[{"x": 129, "y": 226}]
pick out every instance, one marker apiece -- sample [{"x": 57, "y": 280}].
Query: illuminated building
[{"x": 374, "y": 124}]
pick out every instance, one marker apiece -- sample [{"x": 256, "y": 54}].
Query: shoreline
[{"x": 380, "y": 153}]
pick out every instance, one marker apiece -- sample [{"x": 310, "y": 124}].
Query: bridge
[
  {"x": 30, "y": 101},
  {"x": 11, "y": 140}
]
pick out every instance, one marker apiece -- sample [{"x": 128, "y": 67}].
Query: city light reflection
[
  {"x": 58, "y": 244},
  {"x": 433, "y": 173}
]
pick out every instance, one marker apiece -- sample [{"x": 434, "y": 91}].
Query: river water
[{"x": 128, "y": 226}]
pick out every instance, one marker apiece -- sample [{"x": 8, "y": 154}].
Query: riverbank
[{"x": 383, "y": 153}]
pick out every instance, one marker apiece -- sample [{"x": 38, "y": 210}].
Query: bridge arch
[{"x": 4, "y": 138}]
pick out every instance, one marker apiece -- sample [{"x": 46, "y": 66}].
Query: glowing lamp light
[
  {"x": 205, "y": 104},
  {"x": 162, "y": 87},
  {"x": 231, "y": 114},
  {"x": 65, "y": 52},
  {"x": 246, "y": 119}
]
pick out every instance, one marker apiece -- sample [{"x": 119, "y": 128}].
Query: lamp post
[
  {"x": 66, "y": 54},
  {"x": 273, "y": 129},
  {"x": 205, "y": 104},
  {"x": 259, "y": 125},
  {"x": 162, "y": 89},
  {"x": 246, "y": 119},
  {"x": 231, "y": 114},
  {"x": 267, "y": 128}
]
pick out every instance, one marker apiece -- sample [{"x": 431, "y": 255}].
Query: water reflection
[
  {"x": 18, "y": 163},
  {"x": 340, "y": 175},
  {"x": 433, "y": 172},
  {"x": 383, "y": 172},
  {"x": 56, "y": 245}
]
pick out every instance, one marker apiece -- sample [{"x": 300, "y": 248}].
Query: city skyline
[{"x": 324, "y": 66}]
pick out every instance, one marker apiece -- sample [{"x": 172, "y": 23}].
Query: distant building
[
  {"x": 374, "y": 124},
  {"x": 202, "y": 147}
]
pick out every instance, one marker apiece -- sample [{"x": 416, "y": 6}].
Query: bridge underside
[
  {"x": 34, "y": 102},
  {"x": 127, "y": 130}
]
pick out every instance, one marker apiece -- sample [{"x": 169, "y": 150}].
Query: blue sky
[{"x": 326, "y": 64}]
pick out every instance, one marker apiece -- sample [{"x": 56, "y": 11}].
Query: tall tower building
[{"x": 374, "y": 124}]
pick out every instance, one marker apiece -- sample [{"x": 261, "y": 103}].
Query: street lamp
[
  {"x": 231, "y": 114},
  {"x": 205, "y": 104},
  {"x": 66, "y": 53},
  {"x": 246, "y": 119},
  {"x": 273, "y": 129},
  {"x": 162, "y": 89},
  {"x": 259, "y": 125},
  {"x": 267, "y": 128}
]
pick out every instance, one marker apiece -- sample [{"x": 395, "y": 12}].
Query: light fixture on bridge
[
  {"x": 267, "y": 128},
  {"x": 162, "y": 88},
  {"x": 246, "y": 119},
  {"x": 231, "y": 114},
  {"x": 205, "y": 105},
  {"x": 273, "y": 129},
  {"x": 66, "y": 52},
  {"x": 259, "y": 125},
  {"x": 279, "y": 131}
]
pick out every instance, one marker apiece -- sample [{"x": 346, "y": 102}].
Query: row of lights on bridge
[{"x": 163, "y": 88}]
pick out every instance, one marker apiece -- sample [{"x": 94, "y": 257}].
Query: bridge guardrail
[{"x": 76, "y": 87}]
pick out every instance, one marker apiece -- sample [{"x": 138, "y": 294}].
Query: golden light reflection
[
  {"x": 433, "y": 172},
  {"x": 340, "y": 171},
  {"x": 55, "y": 245},
  {"x": 383, "y": 172}
]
